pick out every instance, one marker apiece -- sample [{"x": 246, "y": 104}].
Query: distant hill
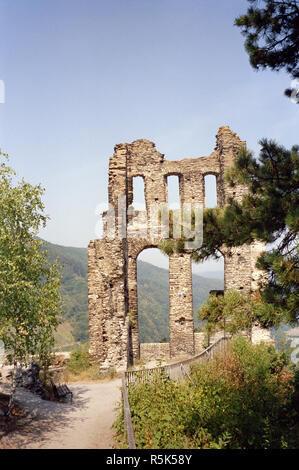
[
  {"x": 153, "y": 300},
  {"x": 74, "y": 292}
]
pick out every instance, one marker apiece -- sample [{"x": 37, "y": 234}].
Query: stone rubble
[{"x": 26, "y": 378}]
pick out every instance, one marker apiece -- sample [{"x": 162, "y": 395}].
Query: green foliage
[
  {"x": 29, "y": 284},
  {"x": 166, "y": 246},
  {"x": 234, "y": 312},
  {"x": 270, "y": 212},
  {"x": 81, "y": 369},
  {"x": 79, "y": 361},
  {"x": 244, "y": 399},
  {"x": 156, "y": 414},
  {"x": 271, "y": 32}
]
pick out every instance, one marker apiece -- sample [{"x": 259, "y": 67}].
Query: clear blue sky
[{"x": 84, "y": 75}]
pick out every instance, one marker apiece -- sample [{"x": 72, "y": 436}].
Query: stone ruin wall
[
  {"x": 154, "y": 351},
  {"x": 112, "y": 262}
]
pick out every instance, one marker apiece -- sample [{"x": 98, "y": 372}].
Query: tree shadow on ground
[{"x": 40, "y": 418}]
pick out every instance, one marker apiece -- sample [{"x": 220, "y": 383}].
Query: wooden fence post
[{"x": 127, "y": 416}]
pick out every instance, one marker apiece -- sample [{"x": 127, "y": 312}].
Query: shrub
[
  {"x": 244, "y": 399},
  {"x": 79, "y": 368},
  {"x": 79, "y": 361}
]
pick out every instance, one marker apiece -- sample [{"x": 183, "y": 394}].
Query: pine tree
[{"x": 272, "y": 36}]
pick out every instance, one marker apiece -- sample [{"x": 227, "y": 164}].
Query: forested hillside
[
  {"x": 153, "y": 301},
  {"x": 74, "y": 292}
]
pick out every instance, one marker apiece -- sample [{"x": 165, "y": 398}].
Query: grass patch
[{"x": 80, "y": 369}]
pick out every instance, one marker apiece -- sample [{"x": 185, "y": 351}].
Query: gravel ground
[{"x": 84, "y": 424}]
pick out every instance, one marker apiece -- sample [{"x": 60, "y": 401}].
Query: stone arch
[
  {"x": 155, "y": 308},
  {"x": 181, "y": 321},
  {"x": 135, "y": 247}
]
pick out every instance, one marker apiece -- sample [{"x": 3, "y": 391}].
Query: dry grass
[{"x": 91, "y": 374}]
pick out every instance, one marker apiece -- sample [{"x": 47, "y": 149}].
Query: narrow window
[
  {"x": 173, "y": 192},
  {"x": 138, "y": 193},
  {"x": 210, "y": 191}
]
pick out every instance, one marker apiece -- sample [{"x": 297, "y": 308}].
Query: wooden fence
[
  {"x": 127, "y": 415},
  {"x": 175, "y": 371}
]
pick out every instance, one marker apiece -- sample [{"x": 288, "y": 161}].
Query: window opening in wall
[
  {"x": 138, "y": 193},
  {"x": 210, "y": 191},
  {"x": 173, "y": 192}
]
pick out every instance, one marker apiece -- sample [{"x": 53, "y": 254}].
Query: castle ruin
[{"x": 112, "y": 261}]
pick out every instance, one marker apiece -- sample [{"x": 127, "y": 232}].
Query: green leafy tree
[
  {"x": 29, "y": 283},
  {"x": 272, "y": 40}
]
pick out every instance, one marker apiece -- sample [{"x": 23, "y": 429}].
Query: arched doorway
[{"x": 153, "y": 296}]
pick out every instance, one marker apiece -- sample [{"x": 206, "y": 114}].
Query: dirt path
[{"x": 85, "y": 424}]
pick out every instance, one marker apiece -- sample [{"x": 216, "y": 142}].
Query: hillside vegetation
[
  {"x": 246, "y": 398},
  {"x": 153, "y": 298}
]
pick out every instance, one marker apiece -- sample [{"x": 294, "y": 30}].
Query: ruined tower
[{"x": 112, "y": 269}]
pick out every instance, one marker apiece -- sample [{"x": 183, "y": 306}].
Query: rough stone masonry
[{"x": 112, "y": 270}]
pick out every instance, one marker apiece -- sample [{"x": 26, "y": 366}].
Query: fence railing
[
  {"x": 177, "y": 370},
  {"x": 127, "y": 416}
]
